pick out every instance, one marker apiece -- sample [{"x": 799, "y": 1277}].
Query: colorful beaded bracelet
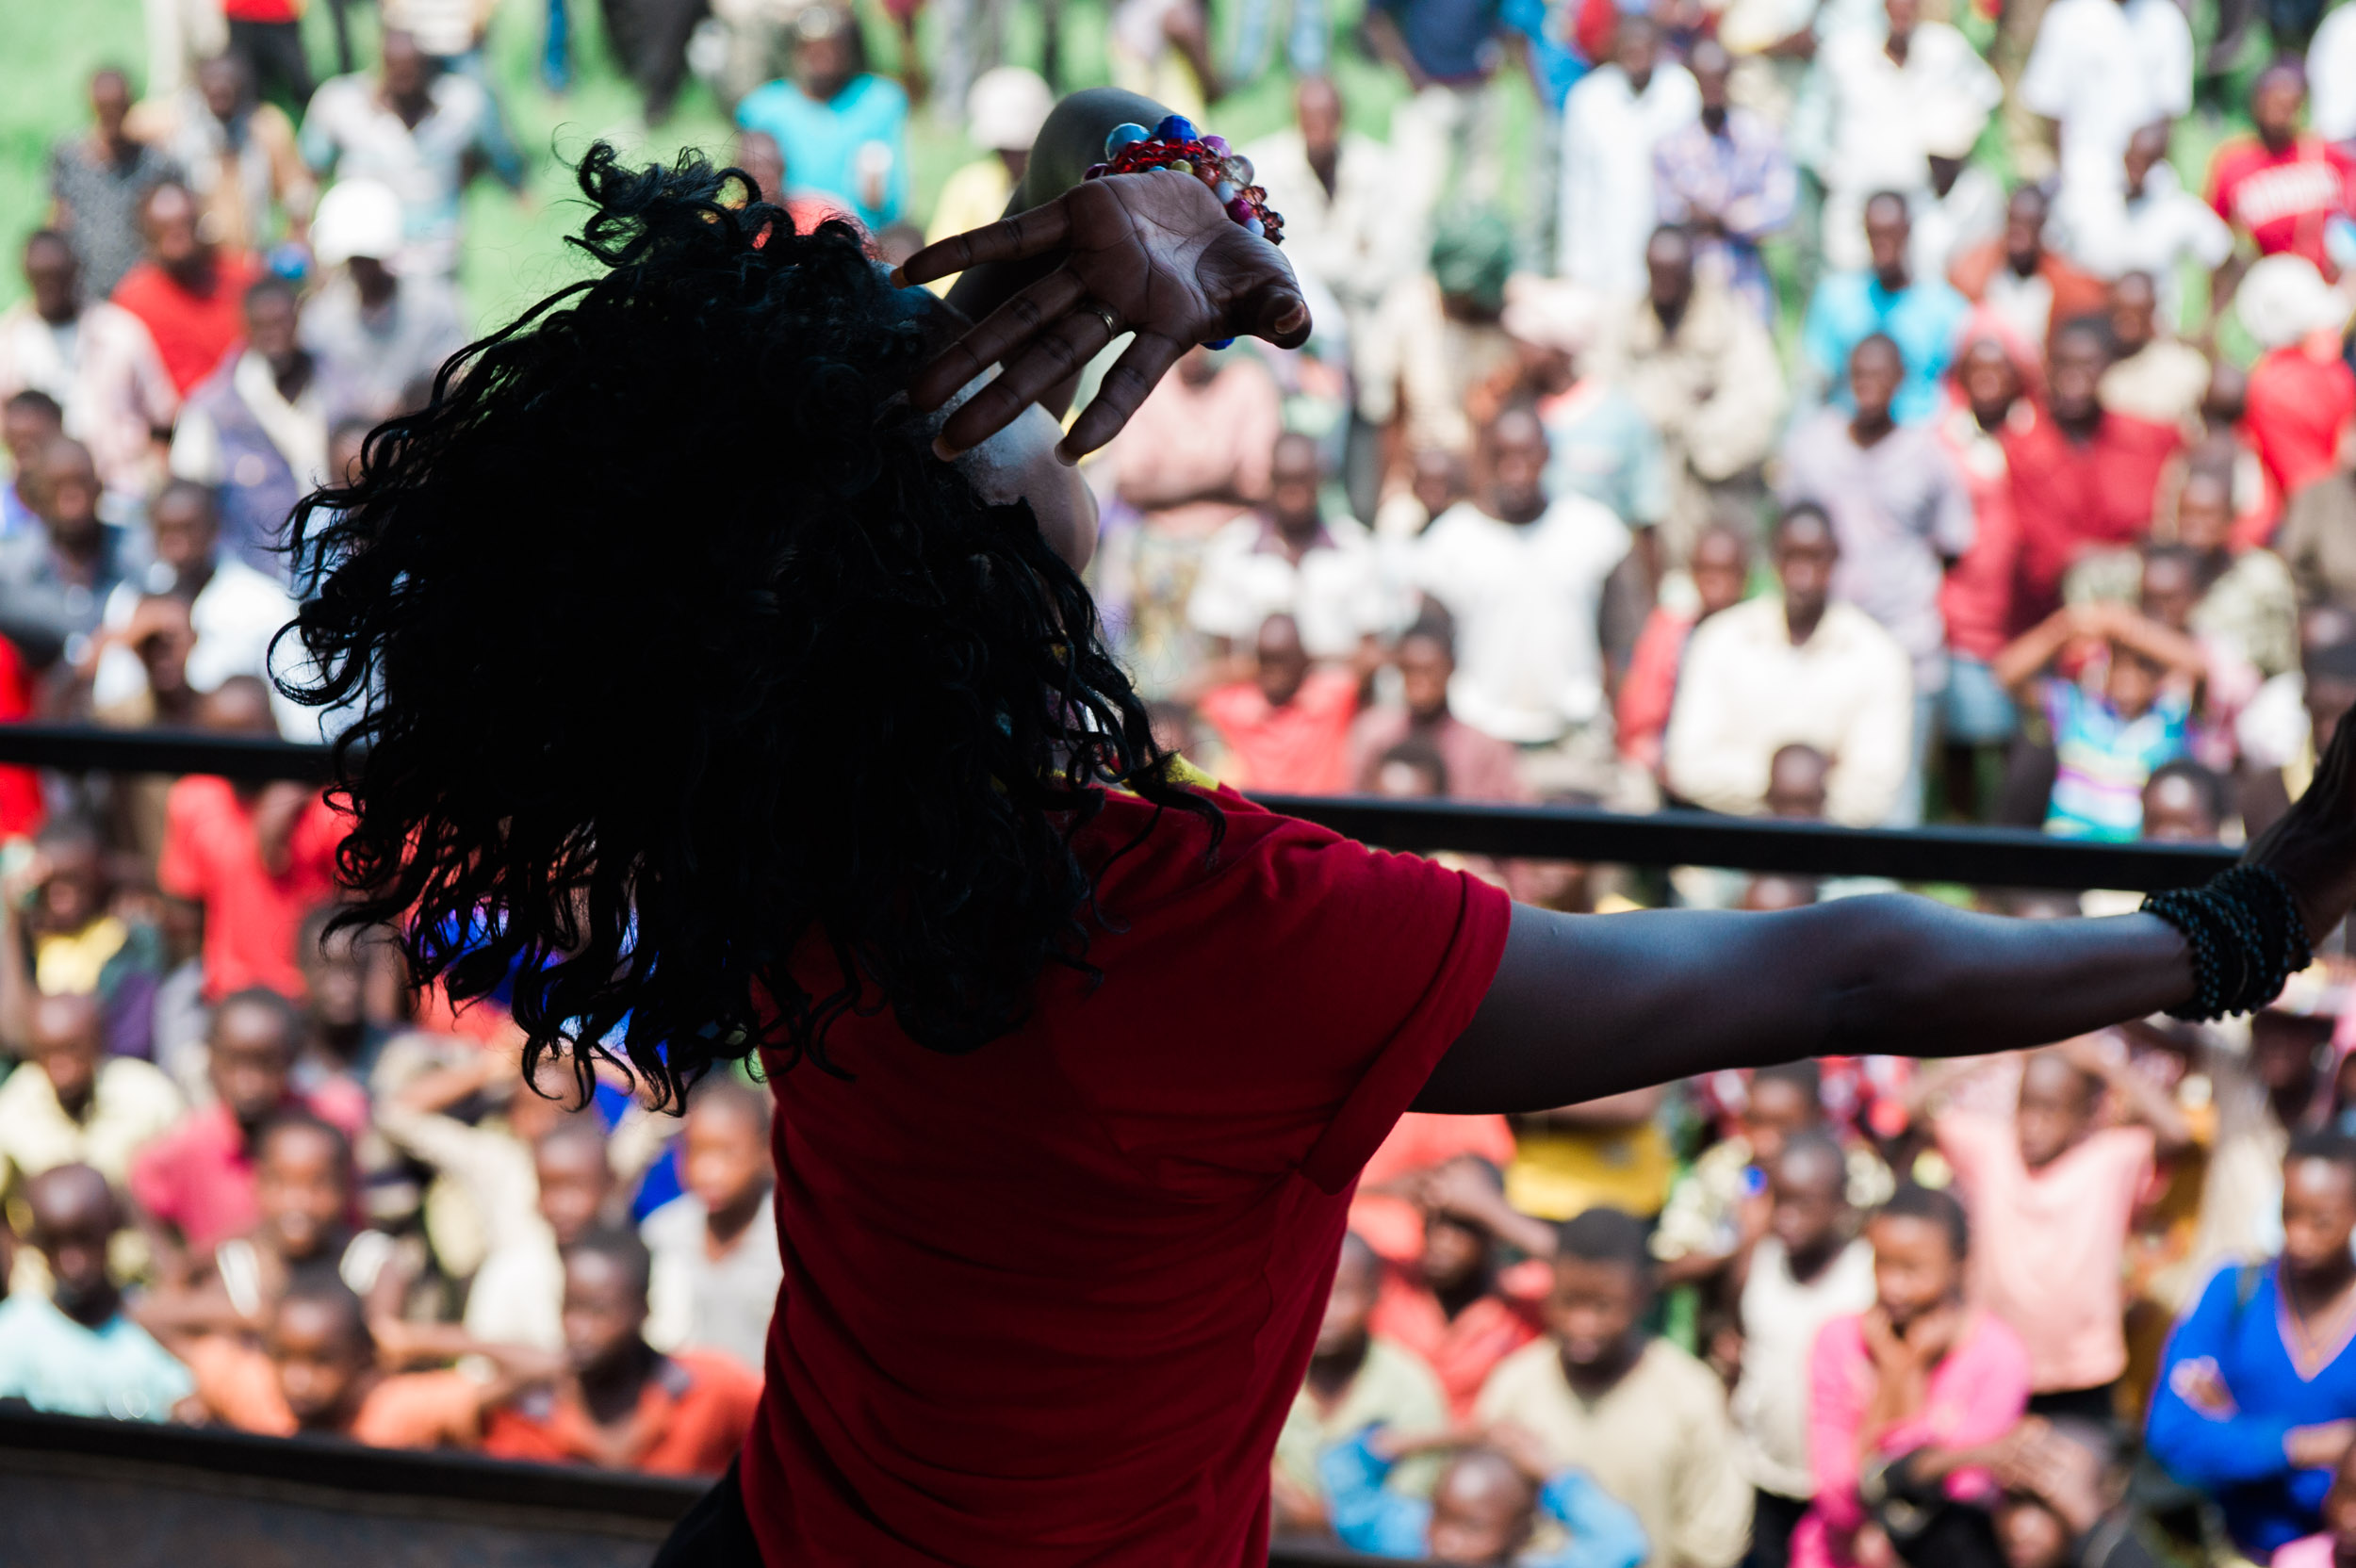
[{"x": 1176, "y": 145}]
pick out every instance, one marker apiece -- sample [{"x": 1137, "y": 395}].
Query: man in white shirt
[
  {"x": 1287, "y": 558},
  {"x": 2331, "y": 77},
  {"x": 1794, "y": 669},
  {"x": 2150, "y": 224},
  {"x": 255, "y": 430},
  {"x": 96, "y": 359},
  {"x": 2101, "y": 71},
  {"x": 1524, "y": 578},
  {"x": 1611, "y": 122}
]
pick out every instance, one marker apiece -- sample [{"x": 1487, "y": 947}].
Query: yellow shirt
[
  {"x": 973, "y": 196},
  {"x": 1559, "y": 1172}
]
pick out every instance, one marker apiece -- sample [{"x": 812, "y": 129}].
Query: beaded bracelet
[
  {"x": 1176, "y": 146},
  {"x": 2246, "y": 936}
]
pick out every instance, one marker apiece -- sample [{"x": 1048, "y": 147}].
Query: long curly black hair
[{"x": 674, "y": 648}]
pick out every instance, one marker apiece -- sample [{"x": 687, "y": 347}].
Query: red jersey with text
[{"x": 2284, "y": 198}]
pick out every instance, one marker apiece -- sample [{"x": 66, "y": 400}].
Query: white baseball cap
[
  {"x": 1007, "y": 108},
  {"x": 356, "y": 218}
]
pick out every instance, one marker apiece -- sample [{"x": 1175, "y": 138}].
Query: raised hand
[{"x": 1155, "y": 255}]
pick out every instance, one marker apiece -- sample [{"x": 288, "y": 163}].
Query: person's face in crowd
[
  {"x": 253, "y": 1053},
  {"x": 1454, "y": 1251},
  {"x": 69, "y": 495},
  {"x": 1593, "y": 1310},
  {"x": 2204, "y": 511},
  {"x": 74, "y": 1219},
  {"x": 1888, "y": 232},
  {"x": 1903, "y": 16},
  {"x": 1797, "y": 781},
  {"x": 2176, "y": 810},
  {"x": 1669, "y": 272},
  {"x": 168, "y": 222},
  {"x": 1915, "y": 1268},
  {"x": 346, "y": 445},
  {"x": 1198, "y": 367},
  {"x": 372, "y": 280},
  {"x": 725, "y": 1159},
  {"x": 1349, "y": 1304},
  {"x": 405, "y": 69},
  {"x": 1424, "y": 671},
  {"x": 1437, "y": 480},
  {"x": 75, "y": 890},
  {"x": 1806, "y": 554},
  {"x": 237, "y": 706},
  {"x": 271, "y": 319},
  {"x": 759, "y": 154},
  {"x": 1771, "y": 895},
  {"x": 1874, "y": 372},
  {"x": 163, "y": 649},
  {"x": 2282, "y": 1049},
  {"x": 2169, "y": 591},
  {"x": 1294, "y": 474},
  {"x": 605, "y": 1310},
  {"x": 1404, "y": 778},
  {"x": 2275, "y": 104},
  {"x": 1481, "y": 1510},
  {"x": 1283, "y": 663},
  {"x": 2074, "y": 377},
  {"x": 2055, "y": 1109},
  {"x": 109, "y": 103},
  {"x": 1778, "y": 1108},
  {"x": 184, "y": 530},
  {"x": 2131, "y": 683},
  {"x": 1712, "y": 67},
  {"x": 2032, "y": 1534},
  {"x": 2135, "y": 313},
  {"x": 2319, "y": 1215},
  {"x": 2144, "y": 151},
  {"x": 320, "y": 1357},
  {"x": 576, "y": 1181},
  {"x": 1721, "y": 569},
  {"x": 1990, "y": 381},
  {"x": 1514, "y": 450},
  {"x": 2227, "y": 398},
  {"x": 822, "y": 62},
  {"x": 1317, "y": 109},
  {"x": 1636, "y": 48},
  {"x": 335, "y": 981},
  {"x": 1808, "y": 1193},
  {"x": 303, "y": 1187},
  {"x": 67, "y": 1036},
  {"x": 223, "y": 83},
  {"x": 2025, "y": 229},
  {"x": 1546, "y": 368},
  {"x": 54, "y": 279},
  {"x": 2327, "y": 700},
  {"x": 25, "y": 431}
]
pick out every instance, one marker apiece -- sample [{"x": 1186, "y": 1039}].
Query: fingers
[
  {"x": 1147, "y": 360},
  {"x": 1027, "y": 234},
  {"x": 1281, "y": 316},
  {"x": 1056, "y": 354},
  {"x": 997, "y": 335}
]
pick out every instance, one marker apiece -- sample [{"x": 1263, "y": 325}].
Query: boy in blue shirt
[
  {"x": 75, "y": 1352},
  {"x": 1484, "y": 1508}
]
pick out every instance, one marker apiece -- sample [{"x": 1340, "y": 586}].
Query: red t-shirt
[
  {"x": 1048, "y": 1303},
  {"x": 252, "y": 917},
  {"x": 261, "y": 10},
  {"x": 21, "y": 806},
  {"x": 695, "y": 1407},
  {"x": 1392, "y": 1225},
  {"x": 1976, "y": 598},
  {"x": 199, "y": 1177},
  {"x": 2069, "y": 499},
  {"x": 1463, "y": 1350},
  {"x": 1649, "y": 689},
  {"x": 2284, "y": 198},
  {"x": 2297, "y": 406},
  {"x": 193, "y": 332},
  {"x": 1301, "y": 748}
]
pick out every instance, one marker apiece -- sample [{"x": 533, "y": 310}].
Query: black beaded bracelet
[{"x": 2246, "y": 937}]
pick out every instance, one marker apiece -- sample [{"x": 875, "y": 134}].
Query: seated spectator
[
  {"x": 517, "y": 1295},
  {"x": 98, "y": 182},
  {"x": 74, "y": 1351},
  {"x": 1479, "y": 767},
  {"x": 1289, "y": 558},
  {"x": 843, "y": 129},
  {"x": 1646, "y": 1421},
  {"x": 1612, "y": 120},
  {"x": 1455, "y": 1304},
  {"x": 238, "y": 152},
  {"x": 1599, "y": 442},
  {"x": 1806, "y": 1268},
  {"x": 372, "y": 333},
  {"x": 1387, "y": 1210},
  {"x": 340, "y": 1038},
  {"x": 63, "y": 932},
  {"x": 254, "y": 432},
  {"x": 2017, "y": 277},
  {"x": 1356, "y": 1379},
  {"x": 2066, "y": 1502},
  {"x": 1797, "y": 667},
  {"x": 190, "y": 293},
  {"x": 2185, "y": 804},
  {"x": 2257, "y": 1390},
  {"x": 715, "y": 1246},
  {"x": 2051, "y": 1196},
  {"x": 1726, "y": 177},
  {"x": 2280, "y": 187},
  {"x": 96, "y": 359},
  {"x": 29, "y": 421},
  {"x": 2301, "y": 394},
  {"x": 197, "y": 1183},
  {"x": 2155, "y": 375},
  {"x": 1720, "y": 569},
  {"x": 1287, "y": 729},
  {"x": 1484, "y": 1508},
  {"x": 2151, "y": 224},
  {"x": 2242, "y": 600},
  {"x": 2106, "y": 739},
  {"x": 54, "y": 578},
  {"x": 1921, "y": 315},
  {"x": 622, "y": 1404},
  {"x": 1919, "y": 1370},
  {"x": 70, "y": 1103}
]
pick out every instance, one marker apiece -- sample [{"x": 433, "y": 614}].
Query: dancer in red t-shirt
[{"x": 731, "y": 700}]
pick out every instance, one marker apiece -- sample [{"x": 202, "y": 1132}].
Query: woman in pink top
[{"x": 1919, "y": 1370}]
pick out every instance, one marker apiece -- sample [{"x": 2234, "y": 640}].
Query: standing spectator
[
  {"x": 1601, "y": 444},
  {"x": 54, "y": 581},
  {"x": 1921, "y": 315},
  {"x": 1454, "y": 1304},
  {"x": 1480, "y": 766},
  {"x": 623, "y": 1404},
  {"x": 1992, "y": 369},
  {"x": 1004, "y": 113},
  {"x": 843, "y": 129},
  {"x": 74, "y": 1351},
  {"x": 716, "y": 1269},
  {"x": 1611, "y": 123},
  {"x": 238, "y": 155},
  {"x": 1806, "y": 1270},
  {"x": 2301, "y": 393},
  {"x": 2332, "y": 78},
  {"x": 1901, "y": 514},
  {"x": 371, "y": 334},
  {"x": 1524, "y": 578},
  {"x": 2051, "y": 1197},
  {"x": 1916, "y": 1373},
  {"x": 2021, "y": 279},
  {"x": 2258, "y": 1387},
  {"x": 2281, "y": 187},
  {"x": 30, "y": 420},
  {"x": 1962, "y": 202},
  {"x": 266, "y": 38},
  {"x": 99, "y": 182},
  {"x": 2155, "y": 375},
  {"x": 1484, "y": 1507},
  {"x": 65, "y": 932},
  {"x": 255, "y": 431},
  {"x": 71, "y": 1103},
  {"x": 1798, "y": 667},
  {"x": 1720, "y": 569},
  {"x": 1289, "y": 558},
  {"x": 1705, "y": 372},
  {"x": 2153, "y": 225},
  {"x": 1449, "y": 133},
  {"x": 2239, "y": 602},
  {"x": 1437, "y": 337},
  {"x": 1883, "y": 88},
  {"x": 190, "y": 293},
  {"x": 1286, "y": 728},
  {"x": 2101, "y": 71},
  {"x": 1644, "y": 1419},
  {"x": 1726, "y": 177},
  {"x": 96, "y": 359},
  {"x": 418, "y": 131},
  {"x": 2106, "y": 742}
]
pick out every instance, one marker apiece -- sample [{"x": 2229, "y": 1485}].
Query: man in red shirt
[
  {"x": 1288, "y": 729},
  {"x": 2299, "y": 400},
  {"x": 2280, "y": 186},
  {"x": 188, "y": 293},
  {"x": 2080, "y": 477}
]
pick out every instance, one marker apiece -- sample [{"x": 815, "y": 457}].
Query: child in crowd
[
  {"x": 715, "y": 1246},
  {"x": 75, "y": 1351},
  {"x": 62, "y": 933},
  {"x": 1643, "y": 1418},
  {"x": 518, "y": 1292},
  {"x": 70, "y": 1103},
  {"x": 1485, "y": 1508},
  {"x": 1456, "y": 1305}
]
